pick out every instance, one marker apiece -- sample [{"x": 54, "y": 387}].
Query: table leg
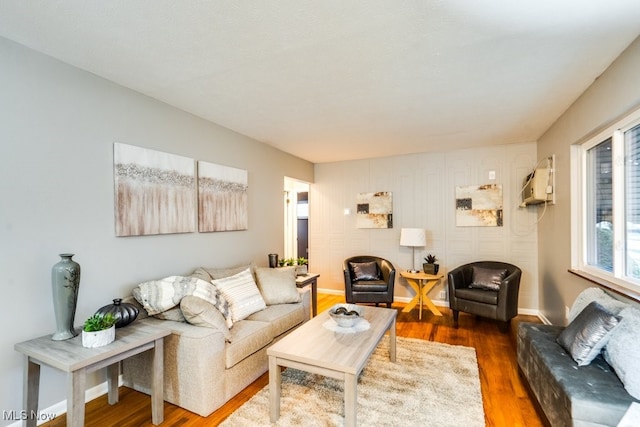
[
  {"x": 76, "y": 385},
  {"x": 112, "y": 383},
  {"x": 314, "y": 296},
  {"x": 350, "y": 400},
  {"x": 426, "y": 300},
  {"x": 392, "y": 341},
  {"x": 421, "y": 300},
  {"x": 416, "y": 299},
  {"x": 157, "y": 383},
  {"x": 275, "y": 380},
  {"x": 31, "y": 391}
]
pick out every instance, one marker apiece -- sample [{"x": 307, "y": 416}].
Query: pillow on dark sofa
[
  {"x": 487, "y": 278},
  {"x": 589, "y": 332},
  {"x": 365, "y": 271}
]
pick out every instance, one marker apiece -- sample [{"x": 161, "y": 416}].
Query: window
[{"x": 606, "y": 239}]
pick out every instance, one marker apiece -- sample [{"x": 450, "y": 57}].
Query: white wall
[
  {"x": 57, "y": 129},
  {"x": 614, "y": 93},
  {"x": 423, "y": 187}
]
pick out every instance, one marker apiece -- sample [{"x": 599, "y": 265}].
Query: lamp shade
[{"x": 412, "y": 237}]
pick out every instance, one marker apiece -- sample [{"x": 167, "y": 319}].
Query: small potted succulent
[
  {"x": 99, "y": 330},
  {"x": 430, "y": 266},
  {"x": 302, "y": 266}
]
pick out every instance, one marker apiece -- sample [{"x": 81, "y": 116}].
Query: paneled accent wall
[{"x": 423, "y": 187}]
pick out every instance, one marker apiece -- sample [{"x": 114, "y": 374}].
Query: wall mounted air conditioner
[{"x": 537, "y": 187}]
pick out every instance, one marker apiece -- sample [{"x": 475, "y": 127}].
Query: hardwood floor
[{"x": 506, "y": 402}]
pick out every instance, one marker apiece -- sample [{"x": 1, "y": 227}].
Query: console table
[
  {"x": 71, "y": 357},
  {"x": 422, "y": 283},
  {"x": 310, "y": 279}
]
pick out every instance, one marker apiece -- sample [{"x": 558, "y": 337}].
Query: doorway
[{"x": 296, "y": 218}]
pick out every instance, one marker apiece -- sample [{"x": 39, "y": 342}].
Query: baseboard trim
[{"x": 54, "y": 411}]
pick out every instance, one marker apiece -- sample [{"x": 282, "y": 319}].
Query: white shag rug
[{"x": 431, "y": 384}]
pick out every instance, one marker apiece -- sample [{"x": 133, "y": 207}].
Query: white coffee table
[{"x": 314, "y": 348}]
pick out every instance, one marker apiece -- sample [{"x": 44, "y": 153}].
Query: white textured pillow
[
  {"x": 589, "y": 295},
  {"x": 622, "y": 351},
  {"x": 278, "y": 285},
  {"x": 242, "y": 293},
  {"x": 157, "y": 296}
]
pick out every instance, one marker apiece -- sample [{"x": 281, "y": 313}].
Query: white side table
[{"x": 71, "y": 357}]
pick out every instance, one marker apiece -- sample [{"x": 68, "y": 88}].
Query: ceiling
[{"x": 337, "y": 80}]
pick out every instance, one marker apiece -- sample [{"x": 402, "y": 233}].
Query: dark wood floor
[{"x": 506, "y": 402}]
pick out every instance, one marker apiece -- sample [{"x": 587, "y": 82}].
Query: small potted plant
[
  {"x": 302, "y": 266},
  {"x": 430, "y": 266},
  {"x": 99, "y": 330}
]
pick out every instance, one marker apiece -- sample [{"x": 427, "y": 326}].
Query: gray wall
[
  {"x": 57, "y": 129},
  {"x": 423, "y": 187},
  {"x": 615, "y": 92}
]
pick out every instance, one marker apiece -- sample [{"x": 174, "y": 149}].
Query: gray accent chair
[
  {"x": 500, "y": 305},
  {"x": 369, "y": 291}
]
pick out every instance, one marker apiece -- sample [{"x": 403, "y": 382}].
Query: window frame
[{"x": 579, "y": 210}]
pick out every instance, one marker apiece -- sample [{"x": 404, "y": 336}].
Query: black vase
[
  {"x": 123, "y": 312},
  {"x": 65, "y": 280}
]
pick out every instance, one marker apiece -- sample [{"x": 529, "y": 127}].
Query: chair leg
[
  {"x": 388, "y": 305},
  {"x": 455, "y": 318},
  {"x": 504, "y": 326}
]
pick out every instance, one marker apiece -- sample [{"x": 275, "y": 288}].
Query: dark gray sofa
[{"x": 568, "y": 394}]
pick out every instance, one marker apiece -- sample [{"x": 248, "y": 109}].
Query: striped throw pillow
[{"x": 242, "y": 293}]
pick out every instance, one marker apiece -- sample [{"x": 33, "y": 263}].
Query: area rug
[{"x": 431, "y": 384}]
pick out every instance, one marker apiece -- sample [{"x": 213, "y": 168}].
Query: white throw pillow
[
  {"x": 242, "y": 293},
  {"x": 278, "y": 285},
  {"x": 589, "y": 295},
  {"x": 622, "y": 351}
]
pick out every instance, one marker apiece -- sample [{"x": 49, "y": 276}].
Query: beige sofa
[{"x": 202, "y": 369}]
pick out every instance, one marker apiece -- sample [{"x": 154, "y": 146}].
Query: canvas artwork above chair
[
  {"x": 485, "y": 288},
  {"x": 368, "y": 279}
]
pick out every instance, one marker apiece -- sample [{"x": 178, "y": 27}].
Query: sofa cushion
[
  {"x": 247, "y": 337},
  {"x": 278, "y": 285},
  {"x": 587, "y": 335},
  {"x": 157, "y": 296},
  {"x": 483, "y": 296},
  {"x": 568, "y": 394},
  {"x": 281, "y": 317},
  {"x": 589, "y": 295},
  {"x": 242, "y": 293},
  {"x": 200, "y": 312},
  {"x": 487, "y": 278},
  {"x": 623, "y": 350},
  {"x": 210, "y": 273}
]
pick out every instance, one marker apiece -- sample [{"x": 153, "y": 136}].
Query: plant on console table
[
  {"x": 302, "y": 266},
  {"x": 431, "y": 266},
  {"x": 99, "y": 330}
]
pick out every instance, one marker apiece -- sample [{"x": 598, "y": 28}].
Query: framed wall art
[
  {"x": 479, "y": 206},
  {"x": 154, "y": 192},
  {"x": 374, "y": 210},
  {"x": 222, "y": 198}
]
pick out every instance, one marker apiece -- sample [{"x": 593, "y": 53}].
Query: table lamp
[{"x": 415, "y": 238}]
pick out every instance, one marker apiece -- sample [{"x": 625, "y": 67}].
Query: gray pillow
[
  {"x": 585, "y": 337},
  {"x": 200, "y": 312},
  {"x": 623, "y": 351},
  {"x": 278, "y": 285},
  {"x": 365, "y": 271},
  {"x": 487, "y": 278}
]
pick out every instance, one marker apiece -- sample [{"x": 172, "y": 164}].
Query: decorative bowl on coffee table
[{"x": 346, "y": 315}]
